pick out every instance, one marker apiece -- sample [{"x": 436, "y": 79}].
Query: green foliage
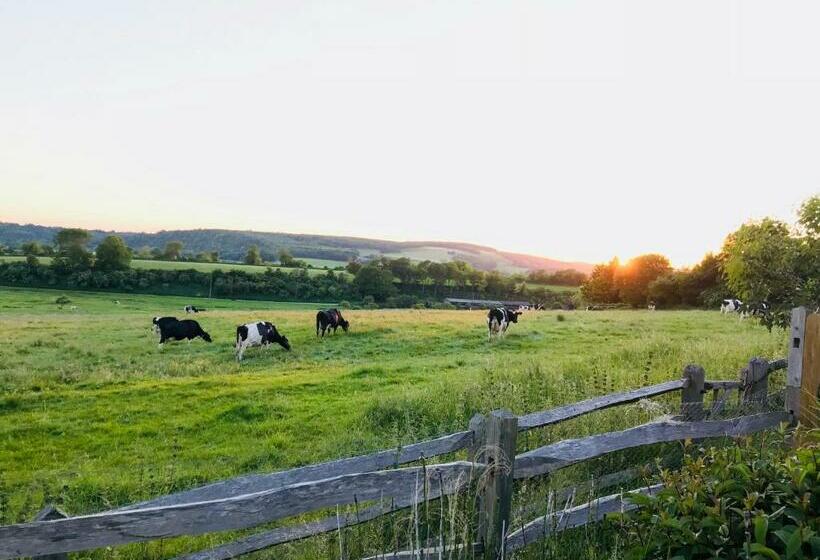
[
  {"x": 71, "y": 250},
  {"x": 567, "y": 277},
  {"x": 601, "y": 287},
  {"x": 173, "y": 250},
  {"x": 757, "y": 500},
  {"x": 634, "y": 278},
  {"x": 31, "y": 260},
  {"x": 32, "y": 248},
  {"x": 376, "y": 281},
  {"x": 809, "y": 216},
  {"x": 253, "y": 256},
  {"x": 112, "y": 254}
]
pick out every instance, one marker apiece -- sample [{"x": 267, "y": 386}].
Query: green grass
[
  {"x": 93, "y": 414},
  {"x": 203, "y": 267}
]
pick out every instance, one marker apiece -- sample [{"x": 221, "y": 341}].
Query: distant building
[{"x": 485, "y": 303}]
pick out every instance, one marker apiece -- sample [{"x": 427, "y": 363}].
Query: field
[
  {"x": 205, "y": 267},
  {"x": 94, "y": 415}
]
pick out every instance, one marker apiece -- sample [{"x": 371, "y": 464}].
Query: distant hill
[{"x": 232, "y": 246}]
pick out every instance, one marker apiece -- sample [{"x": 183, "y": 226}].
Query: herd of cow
[
  {"x": 744, "y": 309},
  {"x": 264, "y": 333}
]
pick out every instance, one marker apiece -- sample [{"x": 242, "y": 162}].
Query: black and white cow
[
  {"x": 162, "y": 321},
  {"x": 499, "y": 319},
  {"x": 731, "y": 306},
  {"x": 754, "y": 309},
  {"x": 171, "y": 329},
  {"x": 193, "y": 309},
  {"x": 258, "y": 334},
  {"x": 330, "y": 319}
]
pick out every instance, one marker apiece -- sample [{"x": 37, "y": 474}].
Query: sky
[{"x": 576, "y": 130}]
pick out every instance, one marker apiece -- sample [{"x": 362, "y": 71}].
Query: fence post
[
  {"x": 794, "y": 373},
  {"x": 50, "y": 513},
  {"x": 494, "y": 445},
  {"x": 692, "y": 395},
  {"x": 755, "y": 380}
]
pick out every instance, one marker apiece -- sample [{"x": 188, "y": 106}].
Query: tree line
[
  {"x": 763, "y": 261},
  {"x": 384, "y": 281}
]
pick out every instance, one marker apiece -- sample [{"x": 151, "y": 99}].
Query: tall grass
[{"x": 93, "y": 415}]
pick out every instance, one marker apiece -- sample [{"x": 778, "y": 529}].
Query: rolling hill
[{"x": 232, "y": 245}]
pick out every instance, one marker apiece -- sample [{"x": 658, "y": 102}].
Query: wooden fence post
[
  {"x": 794, "y": 374},
  {"x": 810, "y": 384},
  {"x": 494, "y": 445},
  {"x": 50, "y": 513},
  {"x": 692, "y": 394},
  {"x": 755, "y": 380}
]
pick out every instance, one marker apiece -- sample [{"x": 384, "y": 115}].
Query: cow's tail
[{"x": 318, "y": 321}]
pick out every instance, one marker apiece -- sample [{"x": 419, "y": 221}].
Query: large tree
[
  {"x": 253, "y": 256},
  {"x": 634, "y": 277},
  {"x": 761, "y": 262},
  {"x": 71, "y": 249},
  {"x": 374, "y": 280},
  {"x": 113, "y": 254},
  {"x": 173, "y": 250},
  {"x": 600, "y": 286}
]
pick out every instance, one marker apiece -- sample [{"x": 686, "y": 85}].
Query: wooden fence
[{"x": 490, "y": 445}]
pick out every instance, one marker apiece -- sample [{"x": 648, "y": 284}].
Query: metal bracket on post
[{"x": 794, "y": 373}]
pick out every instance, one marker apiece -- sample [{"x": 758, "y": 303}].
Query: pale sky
[{"x": 570, "y": 129}]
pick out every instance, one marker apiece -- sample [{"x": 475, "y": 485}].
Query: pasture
[{"x": 93, "y": 415}]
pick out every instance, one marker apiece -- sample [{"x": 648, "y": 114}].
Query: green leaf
[
  {"x": 761, "y": 528},
  {"x": 764, "y": 551},
  {"x": 794, "y": 544}
]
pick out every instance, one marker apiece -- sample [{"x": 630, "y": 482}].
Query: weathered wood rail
[{"x": 380, "y": 480}]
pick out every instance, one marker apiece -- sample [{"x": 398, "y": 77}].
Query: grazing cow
[
  {"x": 258, "y": 334},
  {"x": 159, "y": 321},
  {"x": 330, "y": 319},
  {"x": 187, "y": 329},
  {"x": 754, "y": 310},
  {"x": 499, "y": 319},
  {"x": 193, "y": 309},
  {"x": 651, "y": 306},
  {"x": 731, "y": 306}
]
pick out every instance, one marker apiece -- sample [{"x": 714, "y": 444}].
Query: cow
[
  {"x": 258, "y": 334},
  {"x": 754, "y": 309},
  {"x": 731, "y": 306},
  {"x": 192, "y": 309},
  {"x": 499, "y": 319},
  {"x": 158, "y": 321},
  {"x": 651, "y": 306},
  {"x": 330, "y": 319},
  {"x": 187, "y": 329}
]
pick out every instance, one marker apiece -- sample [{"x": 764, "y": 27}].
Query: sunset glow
[{"x": 573, "y": 130}]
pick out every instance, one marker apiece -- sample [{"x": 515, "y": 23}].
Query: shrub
[
  {"x": 759, "y": 499},
  {"x": 560, "y": 317}
]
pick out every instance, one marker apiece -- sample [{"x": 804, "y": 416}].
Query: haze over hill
[{"x": 232, "y": 246}]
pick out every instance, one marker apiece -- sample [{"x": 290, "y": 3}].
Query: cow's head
[
  {"x": 513, "y": 315},
  {"x": 206, "y": 337},
  {"x": 345, "y": 324},
  {"x": 284, "y": 342}
]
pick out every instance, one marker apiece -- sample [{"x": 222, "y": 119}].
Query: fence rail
[{"x": 253, "y": 500}]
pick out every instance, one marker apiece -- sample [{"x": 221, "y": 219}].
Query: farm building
[{"x": 485, "y": 303}]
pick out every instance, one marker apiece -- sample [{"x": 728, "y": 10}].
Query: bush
[{"x": 759, "y": 499}]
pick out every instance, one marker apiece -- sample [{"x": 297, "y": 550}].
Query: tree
[
  {"x": 71, "y": 249},
  {"x": 809, "y": 216},
  {"x": 113, "y": 254},
  {"x": 173, "y": 250},
  {"x": 760, "y": 262},
  {"x": 286, "y": 259},
  {"x": 253, "y": 256},
  {"x": 374, "y": 280},
  {"x": 32, "y": 248},
  {"x": 353, "y": 266},
  {"x": 600, "y": 286},
  {"x": 633, "y": 279}
]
